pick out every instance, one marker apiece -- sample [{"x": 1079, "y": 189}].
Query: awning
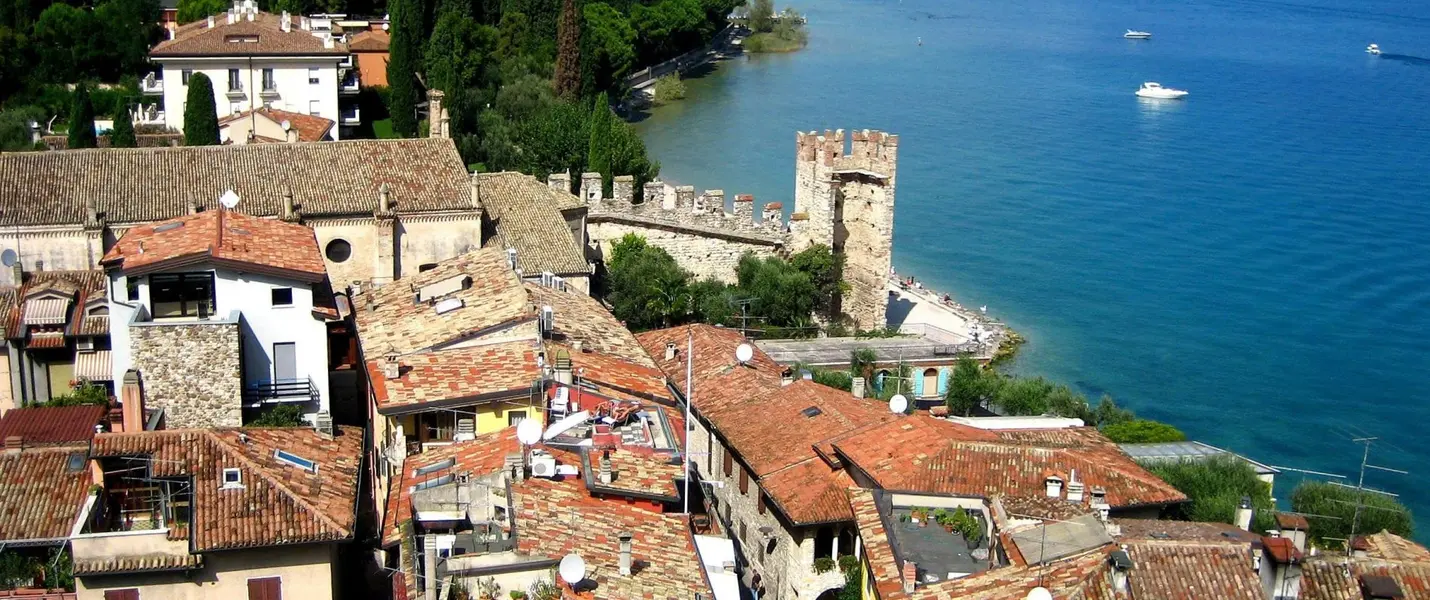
[
  {"x": 46, "y": 311},
  {"x": 46, "y": 339},
  {"x": 94, "y": 366}
]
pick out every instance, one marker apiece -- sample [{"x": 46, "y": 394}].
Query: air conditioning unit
[
  {"x": 84, "y": 344},
  {"x": 547, "y": 320},
  {"x": 543, "y": 465}
]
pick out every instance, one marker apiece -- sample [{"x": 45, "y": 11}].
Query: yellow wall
[
  {"x": 307, "y": 572},
  {"x": 61, "y": 374},
  {"x": 493, "y": 417}
]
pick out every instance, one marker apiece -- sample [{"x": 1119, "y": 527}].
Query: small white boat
[
  {"x": 1136, "y": 35},
  {"x": 1372, "y": 49},
  {"x": 1152, "y": 89}
]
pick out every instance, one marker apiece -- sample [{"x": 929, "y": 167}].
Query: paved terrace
[
  {"x": 834, "y": 351},
  {"x": 924, "y": 312}
]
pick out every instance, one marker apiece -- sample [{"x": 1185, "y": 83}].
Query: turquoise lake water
[{"x": 1251, "y": 265}]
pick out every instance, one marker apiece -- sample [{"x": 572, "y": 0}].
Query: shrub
[
  {"x": 283, "y": 415},
  {"x": 669, "y": 89},
  {"x": 1381, "y": 513},
  {"x": 1143, "y": 431},
  {"x": 823, "y": 565},
  {"x": 1214, "y": 489},
  {"x": 86, "y": 393}
]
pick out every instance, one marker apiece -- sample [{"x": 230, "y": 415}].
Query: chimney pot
[
  {"x": 670, "y": 350},
  {"x": 131, "y": 399},
  {"x": 391, "y": 369},
  {"x": 625, "y": 565},
  {"x": 606, "y": 476},
  {"x": 910, "y": 576},
  {"x": 1244, "y": 513}
]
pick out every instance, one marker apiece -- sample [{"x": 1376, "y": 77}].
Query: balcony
[
  {"x": 269, "y": 92},
  {"x": 350, "y": 116},
  {"x": 279, "y": 391},
  {"x": 146, "y": 520},
  {"x": 350, "y": 83},
  {"x": 347, "y": 62},
  {"x": 235, "y": 92},
  {"x": 151, "y": 85},
  {"x": 149, "y": 115}
]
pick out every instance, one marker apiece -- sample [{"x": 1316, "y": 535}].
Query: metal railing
[{"x": 282, "y": 390}]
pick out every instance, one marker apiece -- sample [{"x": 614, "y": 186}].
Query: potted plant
[
  {"x": 944, "y": 518},
  {"x": 972, "y": 531},
  {"x": 920, "y": 515}
]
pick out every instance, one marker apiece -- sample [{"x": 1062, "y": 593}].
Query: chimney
[
  {"x": 1075, "y": 488},
  {"x": 323, "y": 424},
  {"x": 670, "y": 350},
  {"x": 511, "y": 258},
  {"x": 625, "y": 538},
  {"x": 436, "y": 114},
  {"x": 576, "y": 346},
  {"x": 17, "y": 272},
  {"x": 13, "y": 444},
  {"x": 285, "y": 22},
  {"x": 606, "y": 476},
  {"x": 787, "y": 376},
  {"x": 384, "y": 199},
  {"x": 856, "y": 385},
  {"x": 39, "y": 265},
  {"x": 909, "y": 576},
  {"x": 429, "y": 567},
  {"x": 288, "y": 212},
  {"x": 131, "y": 399},
  {"x": 1055, "y": 486},
  {"x": 193, "y": 207},
  {"x": 231, "y": 17},
  {"x": 1121, "y": 568},
  {"x": 1243, "y": 514},
  {"x": 562, "y": 367},
  {"x": 591, "y": 190},
  {"x": 559, "y": 181},
  {"x": 211, "y": 22},
  {"x": 391, "y": 369},
  {"x": 91, "y": 212}
]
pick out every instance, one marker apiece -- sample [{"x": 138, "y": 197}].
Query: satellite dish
[
  {"x": 744, "y": 353},
  {"x": 573, "y": 569},
  {"x": 9, "y": 258},
  {"x": 228, "y": 199},
  {"x": 287, "y": 125},
  {"x": 528, "y": 431},
  {"x": 898, "y": 404},
  {"x": 1040, "y": 593}
]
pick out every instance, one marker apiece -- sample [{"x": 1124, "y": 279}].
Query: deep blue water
[{"x": 1252, "y": 264}]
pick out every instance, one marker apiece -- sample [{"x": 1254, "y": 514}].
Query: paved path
[{"x": 924, "y": 312}]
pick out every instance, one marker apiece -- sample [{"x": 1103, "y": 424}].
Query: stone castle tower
[{"x": 846, "y": 201}]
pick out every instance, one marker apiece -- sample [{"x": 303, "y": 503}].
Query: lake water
[{"x": 1251, "y": 265}]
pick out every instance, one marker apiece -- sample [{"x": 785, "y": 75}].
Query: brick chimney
[
  {"x": 606, "y": 476},
  {"x": 909, "y": 576},
  {"x": 13, "y": 444},
  {"x": 1243, "y": 514},
  {"x": 131, "y": 399}
]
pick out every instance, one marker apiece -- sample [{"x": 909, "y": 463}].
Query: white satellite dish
[
  {"x": 229, "y": 199},
  {"x": 1040, "y": 593},
  {"x": 9, "y": 258},
  {"x": 287, "y": 125},
  {"x": 528, "y": 431},
  {"x": 573, "y": 569},
  {"x": 744, "y": 353},
  {"x": 898, "y": 404}
]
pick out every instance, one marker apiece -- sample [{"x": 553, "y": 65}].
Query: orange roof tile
[
  {"x": 52, "y": 424},
  {"x": 1193, "y": 571},
  {"x": 809, "y": 492},
  {"x": 644, "y": 474},
  {"x": 40, "y": 497},
  {"x": 785, "y": 424},
  {"x": 310, "y": 128},
  {"x": 222, "y": 237},
  {"x": 198, "y": 39},
  {"x": 631, "y": 378},
  {"x": 577, "y": 316},
  {"x": 718, "y": 377},
  {"x": 279, "y": 503},
  {"x": 461, "y": 375}
]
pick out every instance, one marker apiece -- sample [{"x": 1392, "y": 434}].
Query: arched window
[
  {"x": 824, "y": 543},
  {"x": 930, "y": 382}
]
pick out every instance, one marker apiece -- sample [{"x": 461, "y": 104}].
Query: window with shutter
[
  {"x": 744, "y": 481},
  {"x": 728, "y": 461},
  {"x": 267, "y": 588},
  {"x": 760, "y": 501},
  {"x": 125, "y": 594}
]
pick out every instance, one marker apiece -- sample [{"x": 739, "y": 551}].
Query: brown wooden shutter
[
  {"x": 267, "y": 588},
  {"x": 760, "y": 501},
  {"x": 728, "y": 460},
  {"x": 744, "y": 480},
  {"x": 125, "y": 594}
]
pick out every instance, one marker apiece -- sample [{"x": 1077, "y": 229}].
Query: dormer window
[
  {"x": 241, "y": 39},
  {"x": 232, "y": 478}
]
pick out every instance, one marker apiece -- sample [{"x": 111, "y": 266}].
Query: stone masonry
[
  {"x": 192, "y": 371},
  {"x": 844, "y": 200}
]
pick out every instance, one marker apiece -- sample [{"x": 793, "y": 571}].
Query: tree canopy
[
  {"x": 1215, "y": 487},
  {"x": 1337, "y": 507},
  {"x": 404, "y": 58},
  {"x": 200, "y": 113},
  {"x": 81, "y": 134},
  {"x": 1142, "y": 431},
  {"x": 568, "y": 53},
  {"x": 122, "y": 136}
]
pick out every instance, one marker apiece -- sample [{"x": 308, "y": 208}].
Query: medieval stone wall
[{"x": 192, "y": 370}]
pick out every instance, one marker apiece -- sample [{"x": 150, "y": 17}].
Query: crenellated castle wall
[{"x": 843, "y": 199}]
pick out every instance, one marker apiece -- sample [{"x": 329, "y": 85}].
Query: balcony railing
[
  {"x": 278, "y": 391},
  {"x": 151, "y": 85},
  {"x": 149, "y": 115},
  {"x": 350, "y": 116},
  {"x": 235, "y": 91},
  {"x": 270, "y": 91}
]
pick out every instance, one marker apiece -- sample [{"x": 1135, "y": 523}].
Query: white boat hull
[
  {"x": 1137, "y": 36},
  {"x": 1162, "y": 94}
]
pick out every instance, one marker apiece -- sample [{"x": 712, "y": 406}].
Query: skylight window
[
  {"x": 75, "y": 462},
  {"x": 168, "y": 227},
  {"x": 241, "y": 39},
  {"x": 295, "y": 460},
  {"x": 431, "y": 483},
  {"x": 232, "y": 478},
  {"x": 433, "y": 468},
  {"x": 811, "y": 412}
]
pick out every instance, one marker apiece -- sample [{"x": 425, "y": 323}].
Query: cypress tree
[
  {"x": 404, "y": 55},
  {"x": 598, "y": 154},
  {"x": 122, "y": 136},
  {"x": 81, "y": 133},
  {"x": 568, "y": 53},
  {"x": 200, "y": 113}
]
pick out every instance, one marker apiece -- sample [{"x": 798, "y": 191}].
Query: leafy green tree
[
  {"x": 514, "y": 35},
  {"x": 712, "y": 302},
  {"x": 458, "y": 53},
  {"x": 555, "y": 139},
  {"x": 196, "y": 10},
  {"x": 826, "y": 269},
  {"x": 66, "y": 43},
  {"x": 969, "y": 387},
  {"x": 762, "y": 16},
  {"x": 1143, "y": 431},
  {"x": 404, "y": 57},
  {"x": 1108, "y": 413},
  {"x": 15, "y": 131},
  {"x": 126, "y": 29},
  {"x": 665, "y": 29},
  {"x": 122, "y": 136},
  {"x": 629, "y": 156},
  {"x": 835, "y": 379},
  {"x": 1380, "y": 512},
  {"x": 598, "y": 156},
  {"x": 861, "y": 363},
  {"x": 17, "y": 570},
  {"x": 14, "y": 48},
  {"x": 1214, "y": 489},
  {"x": 81, "y": 134},
  {"x": 784, "y": 296},
  {"x": 608, "y": 50},
  {"x": 283, "y": 415},
  {"x": 85, "y": 394},
  {"x": 1064, "y": 402},
  {"x": 1023, "y": 396},
  {"x": 647, "y": 288},
  {"x": 568, "y": 53},
  {"x": 200, "y": 113}
]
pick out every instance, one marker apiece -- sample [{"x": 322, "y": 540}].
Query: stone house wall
[
  {"x": 703, "y": 254},
  {"x": 193, "y": 370}
]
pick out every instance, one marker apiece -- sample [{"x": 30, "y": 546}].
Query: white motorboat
[
  {"x": 1372, "y": 49},
  {"x": 1136, "y": 35},
  {"x": 1152, "y": 89}
]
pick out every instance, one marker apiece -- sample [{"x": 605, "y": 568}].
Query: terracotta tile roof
[
  {"x": 310, "y": 128},
  {"x": 1182, "y": 531},
  {"x": 642, "y": 473},
  {"x": 1043, "y": 507},
  {"x": 325, "y": 178},
  {"x": 40, "y": 497},
  {"x": 578, "y": 316},
  {"x": 950, "y": 463},
  {"x": 787, "y": 422},
  {"x": 1068, "y": 579},
  {"x": 883, "y": 566},
  {"x": 809, "y": 492},
  {"x": 1336, "y": 578},
  {"x": 1193, "y": 571},
  {"x": 197, "y": 39},
  {"x": 471, "y": 375},
  {"x": 81, "y": 286},
  {"x": 221, "y": 237},
  {"x": 628, "y": 378},
  {"x": 719, "y": 379},
  {"x": 1388, "y": 546},
  {"x": 493, "y": 299},
  {"x": 279, "y": 503},
  {"x": 139, "y": 564},
  {"x": 481, "y": 456},
  {"x": 558, "y": 517},
  {"x": 370, "y": 41},
  {"x": 1292, "y": 522},
  {"x": 52, "y": 425},
  {"x": 527, "y": 214}
]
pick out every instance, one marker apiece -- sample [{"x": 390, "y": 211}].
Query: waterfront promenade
[{"x": 923, "y": 311}]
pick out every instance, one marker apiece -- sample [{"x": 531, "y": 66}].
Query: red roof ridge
[{"x": 262, "y": 471}]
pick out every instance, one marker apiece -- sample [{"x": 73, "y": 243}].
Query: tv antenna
[{"x": 1361, "y": 490}]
